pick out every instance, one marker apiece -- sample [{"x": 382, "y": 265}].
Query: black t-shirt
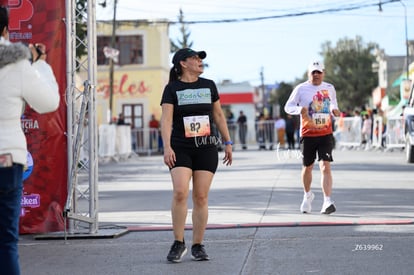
[{"x": 193, "y": 112}]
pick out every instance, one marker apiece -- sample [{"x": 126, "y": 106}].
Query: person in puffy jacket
[{"x": 21, "y": 82}]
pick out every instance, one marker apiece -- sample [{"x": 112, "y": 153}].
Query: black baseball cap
[{"x": 182, "y": 54}]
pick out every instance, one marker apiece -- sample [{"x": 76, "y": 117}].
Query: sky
[{"x": 280, "y": 47}]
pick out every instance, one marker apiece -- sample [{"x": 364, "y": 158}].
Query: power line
[{"x": 297, "y": 14}]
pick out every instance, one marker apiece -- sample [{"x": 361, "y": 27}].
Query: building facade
[
  {"x": 392, "y": 80},
  {"x": 140, "y": 74}
]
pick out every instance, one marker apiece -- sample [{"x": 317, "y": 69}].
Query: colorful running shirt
[
  {"x": 193, "y": 112},
  {"x": 320, "y": 101}
]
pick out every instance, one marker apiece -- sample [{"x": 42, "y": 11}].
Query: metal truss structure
[{"x": 81, "y": 209}]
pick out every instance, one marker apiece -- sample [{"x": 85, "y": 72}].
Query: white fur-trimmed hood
[{"x": 12, "y": 52}]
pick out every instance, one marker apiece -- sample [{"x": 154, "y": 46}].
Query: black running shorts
[
  {"x": 197, "y": 158},
  {"x": 323, "y": 145}
]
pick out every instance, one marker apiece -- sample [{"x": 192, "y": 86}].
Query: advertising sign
[{"x": 45, "y": 175}]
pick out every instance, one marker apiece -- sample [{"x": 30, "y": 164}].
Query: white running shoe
[
  {"x": 306, "y": 206},
  {"x": 328, "y": 208}
]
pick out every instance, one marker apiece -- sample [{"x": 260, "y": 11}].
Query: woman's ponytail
[{"x": 175, "y": 74}]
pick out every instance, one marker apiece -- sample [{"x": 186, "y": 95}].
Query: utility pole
[
  {"x": 111, "y": 65},
  {"x": 263, "y": 90},
  {"x": 407, "y": 54}
]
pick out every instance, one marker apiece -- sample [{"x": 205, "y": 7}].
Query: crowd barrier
[
  {"x": 114, "y": 141},
  {"x": 388, "y": 135},
  {"x": 348, "y": 131},
  {"x": 148, "y": 141},
  {"x": 394, "y": 136},
  {"x": 121, "y": 140}
]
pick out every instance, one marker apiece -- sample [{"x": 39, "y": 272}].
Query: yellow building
[{"x": 139, "y": 75}]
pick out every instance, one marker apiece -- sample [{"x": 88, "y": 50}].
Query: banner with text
[{"x": 45, "y": 177}]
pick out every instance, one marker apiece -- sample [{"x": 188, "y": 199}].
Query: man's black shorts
[{"x": 323, "y": 145}]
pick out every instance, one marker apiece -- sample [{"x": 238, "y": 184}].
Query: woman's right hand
[{"x": 169, "y": 157}]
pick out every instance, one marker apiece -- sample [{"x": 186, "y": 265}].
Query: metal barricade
[
  {"x": 107, "y": 137},
  {"x": 261, "y": 136},
  {"x": 348, "y": 131},
  {"x": 114, "y": 141},
  {"x": 264, "y": 136},
  {"x": 146, "y": 141},
  {"x": 394, "y": 135}
]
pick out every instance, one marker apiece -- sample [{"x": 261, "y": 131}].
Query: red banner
[{"x": 45, "y": 184}]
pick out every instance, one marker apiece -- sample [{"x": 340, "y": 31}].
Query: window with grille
[
  {"x": 130, "y": 49},
  {"x": 134, "y": 115}
]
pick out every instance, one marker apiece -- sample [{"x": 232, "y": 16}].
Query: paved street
[{"x": 255, "y": 226}]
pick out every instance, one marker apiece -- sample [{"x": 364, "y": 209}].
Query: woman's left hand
[{"x": 228, "y": 155}]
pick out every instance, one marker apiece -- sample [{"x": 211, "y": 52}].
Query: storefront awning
[{"x": 398, "y": 81}]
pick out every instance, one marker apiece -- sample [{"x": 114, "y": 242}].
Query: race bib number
[
  {"x": 196, "y": 126},
  {"x": 321, "y": 120}
]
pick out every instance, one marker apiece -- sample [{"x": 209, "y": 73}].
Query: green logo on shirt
[{"x": 194, "y": 96}]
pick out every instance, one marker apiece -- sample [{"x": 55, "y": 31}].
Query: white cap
[{"x": 316, "y": 66}]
